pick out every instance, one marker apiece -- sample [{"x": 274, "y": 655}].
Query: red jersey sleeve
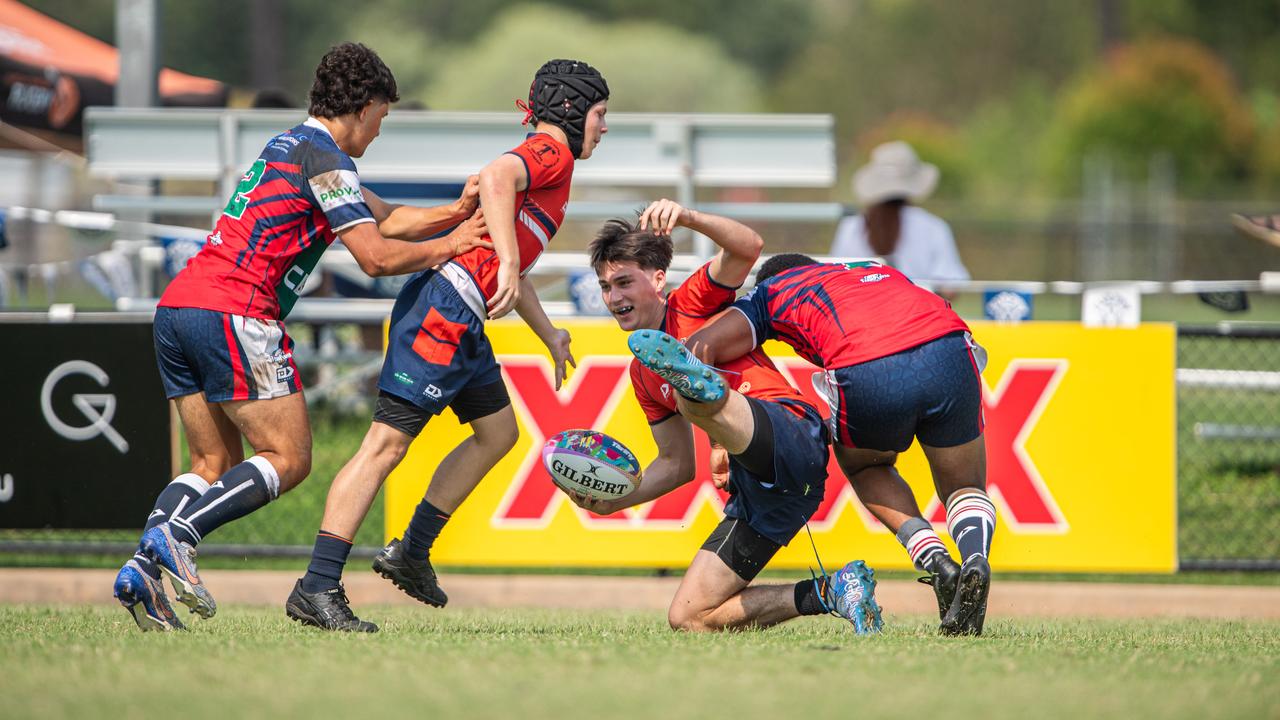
[
  {"x": 648, "y": 389},
  {"x": 548, "y": 162}
]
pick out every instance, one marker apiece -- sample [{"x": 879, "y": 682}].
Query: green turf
[{"x": 85, "y": 662}]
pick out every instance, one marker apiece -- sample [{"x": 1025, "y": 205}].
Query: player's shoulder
[
  {"x": 544, "y": 152},
  {"x": 318, "y": 148}
]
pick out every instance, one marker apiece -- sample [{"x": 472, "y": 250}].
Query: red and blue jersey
[
  {"x": 300, "y": 192},
  {"x": 689, "y": 307},
  {"x": 838, "y": 315},
  {"x": 539, "y": 212}
]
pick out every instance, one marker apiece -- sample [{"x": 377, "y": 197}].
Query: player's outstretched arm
[
  {"x": 500, "y": 180},
  {"x": 379, "y": 256},
  {"x": 407, "y": 222},
  {"x": 740, "y": 246},
  {"x": 556, "y": 339},
  {"x": 675, "y": 465}
]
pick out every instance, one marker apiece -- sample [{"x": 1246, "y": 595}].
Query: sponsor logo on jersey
[
  {"x": 336, "y": 188},
  {"x": 874, "y": 277}
]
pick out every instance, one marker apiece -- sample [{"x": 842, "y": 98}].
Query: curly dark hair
[
  {"x": 348, "y": 77},
  {"x": 619, "y": 240},
  {"x": 782, "y": 263}
]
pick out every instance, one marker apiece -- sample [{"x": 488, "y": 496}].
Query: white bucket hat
[{"x": 895, "y": 172}]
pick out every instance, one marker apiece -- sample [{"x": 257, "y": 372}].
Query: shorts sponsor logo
[
  {"x": 666, "y": 390},
  {"x": 433, "y": 392},
  {"x": 284, "y": 373},
  {"x": 403, "y": 378}
]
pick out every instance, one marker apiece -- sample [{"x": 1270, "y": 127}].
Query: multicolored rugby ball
[{"x": 591, "y": 463}]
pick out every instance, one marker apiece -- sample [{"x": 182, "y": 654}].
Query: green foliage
[
  {"x": 649, "y": 66},
  {"x": 1163, "y": 96},
  {"x": 934, "y": 141}
]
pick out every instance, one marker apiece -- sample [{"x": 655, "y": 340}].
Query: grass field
[{"x": 87, "y": 662}]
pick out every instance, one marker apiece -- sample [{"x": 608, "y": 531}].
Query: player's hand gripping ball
[{"x": 591, "y": 463}]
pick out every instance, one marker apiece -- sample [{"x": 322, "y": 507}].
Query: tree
[{"x": 650, "y": 67}]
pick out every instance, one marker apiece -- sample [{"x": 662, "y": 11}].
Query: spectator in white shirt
[{"x": 906, "y": 237}]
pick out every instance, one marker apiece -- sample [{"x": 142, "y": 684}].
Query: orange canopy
[{"x": 37, "y": 39}]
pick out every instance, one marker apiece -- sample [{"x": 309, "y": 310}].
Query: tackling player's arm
[
  {"x": 740, "y": 246},
  {"x": 725, "y": 337},
  {"x": 407, "y": 222},
  {"x": 556, "y": 339},
  {"x": 379, "y": 256},
  {"x": 674, "y": 466},
  {"x": 500, "y": 180}
]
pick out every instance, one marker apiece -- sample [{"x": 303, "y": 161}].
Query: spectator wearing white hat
[{"x": 907, "y": 237}]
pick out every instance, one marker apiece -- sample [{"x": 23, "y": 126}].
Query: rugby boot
[
  {"x": 672, "y": 361},
  {"x": 143, "y": 596},
  {"x": 944, "y": 583},
  {"x": 851, "y": 594},
  {"x": 178, "y": 560},
  {"x": 416, "y": 578},
  {"x": 327, "y": 610},
  {"x": 969, "y": 608}
]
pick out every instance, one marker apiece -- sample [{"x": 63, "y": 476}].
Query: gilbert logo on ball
[{"x": 591, "y": 463}]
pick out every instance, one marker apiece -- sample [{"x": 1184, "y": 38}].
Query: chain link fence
[
  {"x": 1229, "y": 447},
  {"x": 1228, "y": 471}
]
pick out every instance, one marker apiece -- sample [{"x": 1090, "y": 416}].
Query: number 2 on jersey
[{"x": 240, "y": 198}]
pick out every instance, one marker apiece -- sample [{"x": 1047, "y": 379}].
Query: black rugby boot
[
  {"x": 327, "y": 610},
  {"x": 944, "y": 582},
  {"x": 969, "y": 609},
  {"x": 416, "y": 579}
]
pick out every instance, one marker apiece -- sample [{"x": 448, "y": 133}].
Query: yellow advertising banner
[{"x": 1080, "y": 435}]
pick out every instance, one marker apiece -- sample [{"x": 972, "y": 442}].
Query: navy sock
[
  {"x": 428, "y": 520},
  {"x": 971, "y": 520},
  {"x": 243, "y": 489},
  {"x": 176, "y": 497},
  {"x": 327, "y": 560},
  {"x": 807, "y": 600}
]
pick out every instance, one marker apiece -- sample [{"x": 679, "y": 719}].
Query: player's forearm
[
  {"x": 662, "y": 476},
  {"x": 530, "y": 309},
  {"x": 732, "y": 236},
  {"x": 406, "y": 222},
  {"x": 398, "y": 257}
]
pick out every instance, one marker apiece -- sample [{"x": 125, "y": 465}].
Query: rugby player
[
  {"x": 438, "y": 355},
  {"x": 775, "y": 439},
  {"x": 221, "y": 346},
  {"x": 899, "y": 365}
]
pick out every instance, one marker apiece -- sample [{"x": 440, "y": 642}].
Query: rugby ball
[{"x": 591, "y": 463}]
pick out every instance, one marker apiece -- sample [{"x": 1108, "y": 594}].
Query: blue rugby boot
[
  {"x": 143, "y": 596},
  {"x": 178, "y": 559},
  {"x": 672, "y": 361},
  {"x": 851, "y": 594}
]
